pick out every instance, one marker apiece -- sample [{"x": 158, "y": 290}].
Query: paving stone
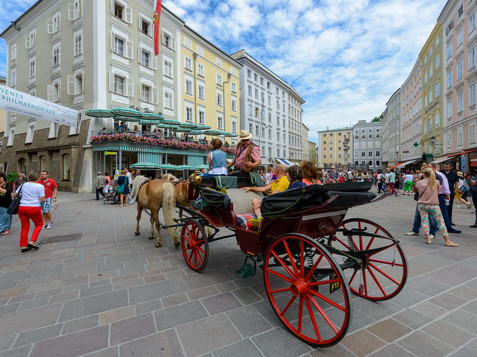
[
  {"x": 8, "y": 293},
  {"x": 211, "y": 277},
  {"x": 266, "y": 310},
  {"x": 30, "y": 304},
  {"x": 17, "y": 352},
  {"x": 103, "y": 276},
  {"x": 248, "y": 322},
  {"x": 148, "y": 306},
  {"x": 376, "y": 310},
  {"x": 464, "y": 292},
  {"x": 337, "y": 350},
  {"x": 392, "y": 351},
  {"x": 8, "y": 309},
  {"x": 447, "y": 333},
  {"x": 48, "y": 293},
  {"x": 41, "y": 334},
  {"x": 463, "y": 319},
  {"x": 74, "y": 281},
  {"x": 64, "y": 297},
  {"x": 407, "y": 297},
  {"x": 33, "y": 318},
  {"x": 108, "y": 352},
  {"x": 154, "y": 278},
  {"x": 362, "y": 343},
  {"x": 179, "y": 315},
  {"x": 202, "y": 292},
  {"x": 93, "y": 305},
  {"x": 132, "y": 328},
  {"x": 242, "y": 348},
  {"x": 389, "y": 330},
  {"x": 206, "y": 335},
  {"x": 128, "y": 284},
  {"x": 80, "y": 324},
  {"x": 359, "y": 320},
  {"x": 164, "y": 344},
  {"x": 116, "y": 315},
  {"x": 279, "y": 342},
  {"x": 221, "y": 303},
  {"x": 426, "y": 286},
  {"x": 174, "y": 300},
  {"x": 227, "y": 286},
  {"x": 73, "y": 344},
  {"x": 6, "y": 341},
  {"x": 412, "y": 318},
  {"x": 21, "y": 298},
  {"x": 68, "y": 289},
  {"x": 429, "y": 309},
  {"x": 247, "y": 296},
  {"x": 471, "y": 307},
  {"x": 465, "y": 351},
  {"x": 156, "y": 290},
  {"x": 424, "y": 345}
]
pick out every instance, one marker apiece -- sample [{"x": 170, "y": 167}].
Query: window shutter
[
  {"x": 163, "y": 38},
  {"x": 155, "y": 95},
  {"x": 70, "y": 80},
  {"x": 71, "y": 12},
  {"x": 50, "y": 92},
  {"x": 154, "y": 61},
  {"x": 130, "y": 84},
  {"x": 112, "y": 41},
  {"x": 112, "y": 6},
  {"x": 49, "y": 26},
  {"x": 111, "y": 81},
  {"x": 173, "y": 43},
  {"x": 82, "y": 82},
  {"x": 129, "y": 49},
  {"x": 140, "y": 22},
  {"x": 139, "y": 53},
  {"x": 128, "y": 11},
  {"x": 27, "y": 41}
]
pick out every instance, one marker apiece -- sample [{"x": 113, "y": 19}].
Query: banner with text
[{"x": 26, "y": 104}]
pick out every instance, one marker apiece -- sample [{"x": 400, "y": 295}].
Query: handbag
[
  {"x": 13, "y": 207},
  {"x": 120, "y": 188}
]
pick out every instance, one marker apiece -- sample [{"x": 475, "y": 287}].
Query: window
[
  {"x": 201, "y": 116},
  {"x": 167, "y": 67},
  {"x": 425, "y": 77},
  {"x": 472, "y": 95},
  {"x": 460, "y": 11},
  {"x": 449, "y": 79},
  {"x": 201, "y": 90},
  {"x": 119, "y": 85},
  {"x": 74, "y": 10},
  {"x": 188, "y": 42},
  {"x": 219, "y": 100},
  {"x": 30, "y": 132},
  {"x": 437, "y": 62},
  {"x": 449, "y": 109},
  {"x": 188, "y": 86},
  {"x": 168, "y": 41},
  {"x": 146, "y": 58},
  {"x": 53, "y": 24},
  {"x": 449, "y": 50},
  {"x": 234, "y": 126},
  {"x": 370, "y": 154},
  {"x": 250, "y": 90},
  {"x": 188, "y": 63},
  {"x": 234, "y": 87},
  {"x": 13, "y": 78},
  {"x": 66, "y": 164},
  {"x": 168, "y": 99},
  {"x": 472, "y": 133},
  {"x": 13, "y": 52},
  {"x": 218, "y": 61},
  {"x": 460, "y": 102},
  {"x": 145, "y": 26},
  {"x": 378, "y": 153},
  {"x": 78, "y": 44},
  {"x": 234, "y": 104},
  {"x": 255, "y": 77},
  {"x": 146, "y": 93},
  {"x": 75, "y": 84},
  {"x": 257, "y": 130},
  {"x": 471, "y": 22},
  {"x": 121, "y": 11},
  {"x": 460, "y": 37},
  {"x": 220, "y": 121},
  {"x": 219, "y": 80},
  {"x": 437, "y": 121},
  {"x": 472, "y": 58},
  {"x": 200, "y": 50},
  {"x": 32, "y": 68},
  {"x": 437, "y": 89},
  {"x": 200, "y": 69},
  {"x": 459, "y": 70},
  {"x": 119, "y": 46},
  {"x": 189, "y": 114},
  {"x": 249, "y": 73},
  {"x": 30, "y": 40},
  {"x": 256, "y": 93}
]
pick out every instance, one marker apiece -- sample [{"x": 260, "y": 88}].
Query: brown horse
[
  {"x": 181, "y": 189},
  {"x": 153, "y": 195}
]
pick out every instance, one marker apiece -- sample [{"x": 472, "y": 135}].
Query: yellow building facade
[
  {"x": 210, "y": 85},
  {"x": 335, "y": 147}
]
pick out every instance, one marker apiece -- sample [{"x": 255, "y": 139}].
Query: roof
[{"x": 339, "y": 129}]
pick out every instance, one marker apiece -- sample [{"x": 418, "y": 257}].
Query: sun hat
[{"x": 244, "y": 135}]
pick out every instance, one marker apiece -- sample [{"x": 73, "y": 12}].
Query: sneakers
[
  {"x": 469, "y": 205},
  {"x": 45, "y": 226},
  {"x": 412, "y": 233},
  {"x": 49, "y": 225}
]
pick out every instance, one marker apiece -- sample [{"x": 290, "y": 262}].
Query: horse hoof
[
  {"x": 158, "y": 245},
  {"x": 177, "y": 244},
  {"x": 150, "y": 237},
  {"x": 137, "y": 233}
]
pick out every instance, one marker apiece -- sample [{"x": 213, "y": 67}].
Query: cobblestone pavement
[{"x": 102, "y": 291}]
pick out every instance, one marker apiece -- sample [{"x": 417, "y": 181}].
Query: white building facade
[{"x": 367, "y": 145}]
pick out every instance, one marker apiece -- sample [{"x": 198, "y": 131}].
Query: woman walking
[
  {"x": 6, "y": 189},
  {"x": 32, "y": 195},
  {"x": 428, "y": 203},
  {"x": 123, "y": 187}
]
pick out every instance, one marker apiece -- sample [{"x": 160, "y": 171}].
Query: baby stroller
[{"x": 111, "y": 197}]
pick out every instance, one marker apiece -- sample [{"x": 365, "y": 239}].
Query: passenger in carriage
[
  {"x": 295, "y": 176},
  {"x": 217, "y": 160},
  {"x": 310, "y": 173},
  {"x": 247, "y": 155},
  {"x": 279, "y": 185}
]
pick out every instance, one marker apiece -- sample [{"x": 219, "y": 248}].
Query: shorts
[
  {"x": 407, "y": 186},
  {"x": 46, "y": 206}
]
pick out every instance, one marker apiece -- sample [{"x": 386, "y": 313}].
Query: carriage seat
[
  {"x": 299, "y": 199},
  {"x": 227, "y": 182}
]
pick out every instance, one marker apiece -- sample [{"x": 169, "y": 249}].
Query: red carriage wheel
[
  {"x": 382, "y": 272},
  {"x": 307, "y": 289},
  {"x": 194, "y": 244}
]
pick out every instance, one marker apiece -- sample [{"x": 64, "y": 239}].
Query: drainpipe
[
  {"x": 229, "y": 75},
  {"x": 195, "y": 88}
]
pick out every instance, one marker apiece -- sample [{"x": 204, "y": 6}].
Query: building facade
[
  {"x": 411, "y": 115},
  {"x": 99, "y": 55},
  {"x": 433, "y": 96},
  {"x": 271, "y": 110},
  {"x": 458, "y": 20},
  {"x": 367, "y": 145},
  {"x": 334, "y": 147},
  {"x": 391, "y": 145}
]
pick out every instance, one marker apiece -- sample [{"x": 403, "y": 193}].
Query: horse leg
[
  {"x": 155, "y": 214},
  {"x": 138, "y": 218},
  {"x": 151, "y": 235}
]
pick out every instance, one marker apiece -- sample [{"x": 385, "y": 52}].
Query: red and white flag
[{"x": 157, "y": 20}]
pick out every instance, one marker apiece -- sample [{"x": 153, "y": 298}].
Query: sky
[{"x": 345, "y": 57}]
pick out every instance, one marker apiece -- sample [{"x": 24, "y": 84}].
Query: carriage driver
[
  {"x": 279, "y": 185},
  {"x": 247, "y": 155}
]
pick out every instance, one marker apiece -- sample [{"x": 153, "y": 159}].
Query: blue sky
[{"x": 345, "y": 57}]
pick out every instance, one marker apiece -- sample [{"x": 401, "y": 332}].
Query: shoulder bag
[{"x": 13, "y": 207}]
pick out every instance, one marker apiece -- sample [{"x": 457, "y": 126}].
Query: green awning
[
  {"x": 203, "y": 127},
  {"x": 99, "y": 113},
  {"x": 127, "y": 112},
  {"x": 188, "y": 125},
  {"x": 123, "y": 118},
  {"x": 145, "y": 165},
  {"x": 171, "y": 122},
  {"x": 152, "y": 116}
]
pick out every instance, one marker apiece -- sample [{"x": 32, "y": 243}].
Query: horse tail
[
  {"x": 136, "y": 185},
  {"x": 168, "y": 206}
]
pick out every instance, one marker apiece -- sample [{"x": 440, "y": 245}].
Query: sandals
[{"x": 5, "y": 233}]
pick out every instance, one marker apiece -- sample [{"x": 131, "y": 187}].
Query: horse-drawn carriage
[{"x": 311, "y": 257}]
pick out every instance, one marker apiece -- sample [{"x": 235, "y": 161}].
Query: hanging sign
[{"x": 26, "y": 104}]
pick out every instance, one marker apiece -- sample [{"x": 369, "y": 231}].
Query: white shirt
[
  {"x": 129, "y": 176},
  {"x": 408, "y": 177},
  {"x": 378, "y": 178},
  {"x": 386, "y": 177},
  {"x": 31, "y": 193},
  {"x": 268, "y": 178}
]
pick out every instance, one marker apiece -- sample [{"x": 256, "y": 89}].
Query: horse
[
  {"x": 153, "y": 195},
  {"x": 181, "y": 189}
]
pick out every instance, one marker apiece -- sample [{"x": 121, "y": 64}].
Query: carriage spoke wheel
[
  {"x": 383, "y": 269},
  {"x": 307, "y": 289},
  {"x": 194, "y": 245}
]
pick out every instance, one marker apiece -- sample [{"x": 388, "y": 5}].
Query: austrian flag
[{"x": 157, "y": 20}]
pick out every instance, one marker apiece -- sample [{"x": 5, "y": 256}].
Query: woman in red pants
[{"x": 32, "y": 194}]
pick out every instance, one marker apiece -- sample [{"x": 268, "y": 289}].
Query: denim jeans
[
  {"x": 442, "y": 205},
  {"x": 417, "y": 223}
]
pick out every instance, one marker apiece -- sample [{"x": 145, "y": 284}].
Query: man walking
[
  {"x": 453, "y": 180},
  {"x": 333, "y": 175},
  {"x": 100, "y": 183},
  {"x": 51, "y": 194}
]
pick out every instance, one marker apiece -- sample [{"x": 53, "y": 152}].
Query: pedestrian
[
  {"x": 387, "y": 187},
  {"x": 100, "y": 184},
  {"x": 51, "y": 194},
  {"x": 130, "y": 178},
  {"x": 21, "y": 178},
  {"x": 107, "y": 181},
  {"x": 33, "y": 195},
  {"x": 380, "y": 180},
  {"x": 392, "y": 182},
  {"x": 6, "y": 189},
  {"x": 408, "y": 180},
  {"x": 428, "y": 203},
  {"x": 123, "y": 187},
  {"x": 453, "y": 180},
  {"x": 473, "y": 191},
  {"x": 268, "y": 175},
  {"x": 333, "y": 175}
]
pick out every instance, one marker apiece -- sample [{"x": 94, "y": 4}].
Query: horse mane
[
  {"x": 168, "y": 207},
  {"x": 136, "y": 185},
  {"x": 170, "y": 177}
]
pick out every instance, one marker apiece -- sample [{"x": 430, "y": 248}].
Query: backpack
[{"x": 382, "y": 179}]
